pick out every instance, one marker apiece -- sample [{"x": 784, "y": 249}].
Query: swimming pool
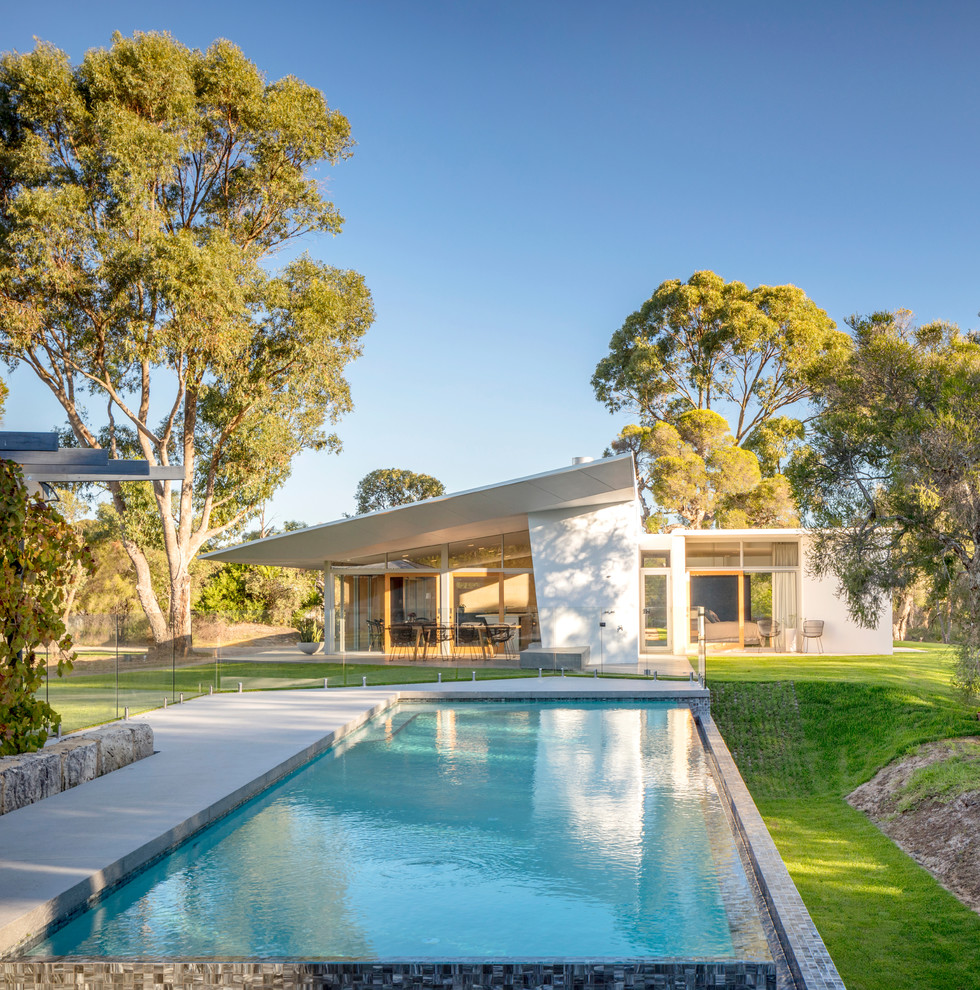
[{"x": 458, "y": 831}]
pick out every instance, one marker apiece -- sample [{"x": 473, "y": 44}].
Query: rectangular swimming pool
[{"x": 457, "y": 831}]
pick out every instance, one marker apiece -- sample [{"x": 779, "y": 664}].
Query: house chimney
[{"x": 581, "y": 460}]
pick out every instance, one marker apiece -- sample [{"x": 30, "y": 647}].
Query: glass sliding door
[
  {"x": 654, "y": 626},
  {"x": 413, "y": 598},
  {"x": 362, "y": 610}
]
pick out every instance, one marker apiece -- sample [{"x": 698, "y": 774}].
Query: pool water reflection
[{"x": 452, "y": 831}]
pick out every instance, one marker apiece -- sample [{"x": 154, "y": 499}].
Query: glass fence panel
[
  {"x": 145, "y": 671},
  {"x": 86, "y": 695},
  {"x": 262, "y": 652},
  {"x": 124, "y": 662}
]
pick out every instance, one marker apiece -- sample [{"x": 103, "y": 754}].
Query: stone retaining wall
[{"x": 32, "y": 777}]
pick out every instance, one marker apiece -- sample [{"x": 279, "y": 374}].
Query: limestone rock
[
  {"x": 142, "y": 740},
  {"x": 115, "y": 747},
  {"x": 30, "y": 777},
  {"x": 34, "y": 776},
  {"x": 79, "y": 760}
]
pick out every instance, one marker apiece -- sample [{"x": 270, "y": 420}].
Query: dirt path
[{"x": 944, "y": 837}]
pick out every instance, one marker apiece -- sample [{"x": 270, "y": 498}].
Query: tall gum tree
[
  {"x": 142, "y": 196},
  {"x": 711, "y": 344}
]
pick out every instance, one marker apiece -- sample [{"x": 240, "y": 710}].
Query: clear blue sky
[{"x": 528, "y": 171}]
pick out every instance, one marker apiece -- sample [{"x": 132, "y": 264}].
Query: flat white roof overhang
[
  {"x": 466, "y": 515},
  {"x": 745, "y": 534}
]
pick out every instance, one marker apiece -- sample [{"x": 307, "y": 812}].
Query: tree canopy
[
  {"x": 143, "y": 194},
  {"x": 890, "y": 476},
  {"x": 694, "y": 470},
  {"x": 707, "y": 343},
  {"x": 710, "y": 346},
  {"x": 385, "y": 488}
]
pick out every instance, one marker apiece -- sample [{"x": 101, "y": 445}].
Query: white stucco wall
[
  {"x": 585, "y": 572},
  {"x": 840, "y": 633}
]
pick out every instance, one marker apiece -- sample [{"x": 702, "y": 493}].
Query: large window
[
  {"x": 487, "y": 578},
  {"x": 499, "y": 599},
  {"x": 749, "y": 590},
  {"x": 422, "y": 558},
  {"x": 739, "y": 554},
  {"x": 704, "y": 553},
  {"x": 476, "y": 553}
]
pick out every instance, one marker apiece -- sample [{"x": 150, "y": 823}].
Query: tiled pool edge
[
  {"x": 160, "y": 975},
  {"x": 804, "y": 949}
]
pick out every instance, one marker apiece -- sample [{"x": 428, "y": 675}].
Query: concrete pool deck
[{"x": 214, "y": 753}]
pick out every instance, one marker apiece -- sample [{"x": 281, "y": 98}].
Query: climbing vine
[{"x": 38, "y": 551}]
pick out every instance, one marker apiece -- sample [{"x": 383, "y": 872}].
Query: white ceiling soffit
[{"x": 480, "y": 512}]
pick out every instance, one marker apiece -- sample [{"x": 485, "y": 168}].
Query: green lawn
[{"x": 805, "y": 732}]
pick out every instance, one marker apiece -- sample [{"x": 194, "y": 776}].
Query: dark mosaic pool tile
[{"x": 405, "y": 976}]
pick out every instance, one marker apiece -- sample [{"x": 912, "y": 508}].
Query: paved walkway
[{"x": 212, "y": 754}]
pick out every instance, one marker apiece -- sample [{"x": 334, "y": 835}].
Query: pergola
[{"x": 44, "y": 462}]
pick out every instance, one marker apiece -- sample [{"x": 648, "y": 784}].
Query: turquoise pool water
[{"x": 443, "y": 831}]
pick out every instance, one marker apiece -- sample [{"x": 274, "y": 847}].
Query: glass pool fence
[{"x": 124, "y": 666}]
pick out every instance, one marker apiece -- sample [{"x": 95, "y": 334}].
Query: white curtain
[{"x": 784, "y": 598}]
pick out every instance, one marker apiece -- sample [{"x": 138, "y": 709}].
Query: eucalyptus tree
[
  {"x": 143, "y": 194},
  {"x": 890, "y": 476},
  {"x": 711, "y": 345},
  {"x": 385, "y": 488},
  {"x": 696, "y": 466}
]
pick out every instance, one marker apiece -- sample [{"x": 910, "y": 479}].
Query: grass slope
[{"x": 804, "y": 733}]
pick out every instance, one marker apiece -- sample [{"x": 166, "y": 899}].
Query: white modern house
[{"x": 560, "y": 561}]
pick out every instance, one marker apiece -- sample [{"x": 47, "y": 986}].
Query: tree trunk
[
  {"x": 905, "y": 599},
  {"x": 180, "y": 612},
  {"x": 159, "y": 627}
]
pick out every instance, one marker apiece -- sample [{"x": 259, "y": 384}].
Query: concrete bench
[{"x": 555, "y": 657}]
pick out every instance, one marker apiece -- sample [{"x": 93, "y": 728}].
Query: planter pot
[{"x": 309, "y": 648}]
